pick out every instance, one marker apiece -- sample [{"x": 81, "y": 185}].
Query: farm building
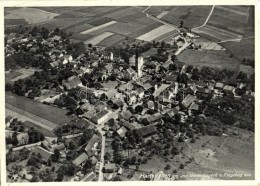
[
  {"x": 204, "y": 92},
  {"x": 45, "y": 155},
  {"x": 80, "y": 159},
  {"x": 150, "y": 119},
  {"x": 147, "y": 130},
  {"x": 187, "y": 101},
  {"x": 90, "y": 148},
  {"x": 219, "y": 86},
  {"x": 101, "y": 117},
  {"x": 121, "y": 132},
  {"x": 110, "y": 167},
  {"x": 72, "y": 82}
]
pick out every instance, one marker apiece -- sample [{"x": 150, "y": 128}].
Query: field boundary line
[
  {"x": 207, "y": 18},
  {"x": 251, "y": 37}
]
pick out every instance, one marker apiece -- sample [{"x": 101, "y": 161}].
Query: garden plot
[
  {"x": 98, "y": 27},
  {"x": 38, "y": 15},
  {"x": 96, "y": 40},
  {"x": 155, "y": 33}
]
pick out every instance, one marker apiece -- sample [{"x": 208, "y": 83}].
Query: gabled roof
[
  {"x": 130, "y": 71},
  {"x": 99, "y": 115},
  {"x": 194, "y": 106},
  {"x": 92, "y": 141},
  {"x": 147, "y": 130},
  {"x": 126, "y": 115},
  {"x": 72, "y": 82},
  {"x": 80, "y": 159},
  {"x": 188, "y": 100},
  {"x": 121, "y": 132},
  {"x": 45, "y": 155},
  {"x": 8, "y": 118},
  {"x": 158, "y": 91}
]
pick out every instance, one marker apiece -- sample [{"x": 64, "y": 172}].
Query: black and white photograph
[{"x": 129, "y": 93}]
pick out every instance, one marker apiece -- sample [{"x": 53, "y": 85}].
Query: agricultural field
[
  {"x": 155, "y": 33},
  {"x": 192, "y": 16},
  {"x": 11, "y": 74},
  {"x": 226, "y": 23},
  {"x": 44, "y": 115},
  {"x": 96, "y": 40},
  {"x": 215, "y": 59},
  {"x": 39, "y": 15}
]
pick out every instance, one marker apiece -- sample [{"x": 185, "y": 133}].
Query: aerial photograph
[{"x": 129, "y": 93}]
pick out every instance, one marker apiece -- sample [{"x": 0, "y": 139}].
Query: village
[{"x": 89, "y": 114}]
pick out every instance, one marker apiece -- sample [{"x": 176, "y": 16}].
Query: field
[
  {"x": 96, "y": 40},
  {"x": 24, "y": 73},
  {"x": 226, "y": 23},
  {"x": 215, "y": 59},
  {"x": 155, "y": 33},
  {"x": 192, "y": 16},
  {"x": 45, "y": 116},
  {"x": 39, "y": 15},
  {"x": 87, "y": 23},
  {"x": 9, "y": 75}
]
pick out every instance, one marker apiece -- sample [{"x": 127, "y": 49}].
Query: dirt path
[{"x": 207, "y": 18}]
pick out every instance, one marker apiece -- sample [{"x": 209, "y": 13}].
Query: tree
[
  {"x": 181, "y": 166},
  {"x": 189, "y": 68},
  {"x": 87, "y": 166},
  {"x": 133, "y": 160},
  {"x": 56, "y": 155},
  {"x": 168, "y": 166},
  {"x": 8, "y": 87},
  {"x": 107, "y": 156},
  {"x": 59, "y": 176}
]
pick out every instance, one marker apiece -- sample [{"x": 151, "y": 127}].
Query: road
[{"x": 103, "y": 144}]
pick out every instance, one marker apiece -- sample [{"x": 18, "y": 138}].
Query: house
[
  {"x": 130, "y": 74},
  {"x": 194, "y": 108},
  {"x": 150, "y": 105},
  {"x": 170, "y": 78},
  {"x": 131, "y": 126},
  {"x": 72, "y": 82},
  {"x": 147, "y": 130},
  {"x": 56, "y": 38},
  {"x": 126, "y": 88},
  {"x": 191, "y": 89},
  {"x": 121, "y": 132},
  {"x": 23, "y": 138},
  {"x": 139, "y": 92},
  {"x": 219, "y": 85},
  {"x": 90, "y": 177},
  {"x": 203, "y": 92},
  {"x": 66, "y": 59},
  {"x": 131, "y": 99},
  {"x": 80, "y": 159},
  {"x": 151, "y": 118},
  {"x": 229, "y": 90},
  {"x": 101, "y": 117},
  {"x": 110, "y": 168},
  {"x": 160, "y": 90},
  {"x": 200, "y": 84},
  {"x": 8, "y": 121},
  {"x": 44, "y": 154},
  {"x": 54, "y": 64},
  {"x": 90, "y": 148},
  {"x": 109, "y": 68},
  {"x": 167, "y": 64},
  {"x": 126, "y": 115},
  {"x": 187, "y": 101},
  {"x": 171, "y": 113}
]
